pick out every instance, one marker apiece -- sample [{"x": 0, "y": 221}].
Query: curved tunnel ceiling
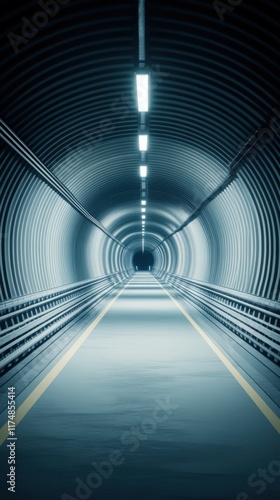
[{"x": 69, "y": 95}]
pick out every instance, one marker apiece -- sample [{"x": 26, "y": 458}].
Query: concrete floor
[{"x": 145, "y": 410}]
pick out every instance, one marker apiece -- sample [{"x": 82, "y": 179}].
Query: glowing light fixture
[
  {"x": 143, "y": 171},
  {"x": 142, "y": 86},
  {"x": 143, "y": 142}
]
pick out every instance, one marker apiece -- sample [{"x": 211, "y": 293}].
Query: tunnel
[
  {"x": 143, "y": 261},
  {"x": 139, "y": 287}
]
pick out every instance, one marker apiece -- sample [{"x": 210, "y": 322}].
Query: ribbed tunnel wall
[
  {"x": 45, "y": 243},
  {"x": 69, "y": 95},
  {"x": 241, "y": 251},
  {"x": 44, "y": 238}
]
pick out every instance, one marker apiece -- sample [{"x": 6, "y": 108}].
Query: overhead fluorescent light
[
  {"x": 143, "y": 210},
  {"x": 143, "y": 171},
  {"x": 143, "y": 202},
  {"x": 142, "y": 86},
  {"x": 143, "y": 216},
  {"x": 143, "y": 142}
]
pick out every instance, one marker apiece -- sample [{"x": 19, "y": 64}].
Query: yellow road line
[
  {"x": 24, "y": 408},
  {"x": 259, "y": 402}
]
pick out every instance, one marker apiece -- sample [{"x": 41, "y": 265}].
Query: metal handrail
[
  {"x": 255, "y": 319},
  {"x": 240, "y": 297},
  {"x": 36, "y": 298},
  {"x": 19, "y": 339}
]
